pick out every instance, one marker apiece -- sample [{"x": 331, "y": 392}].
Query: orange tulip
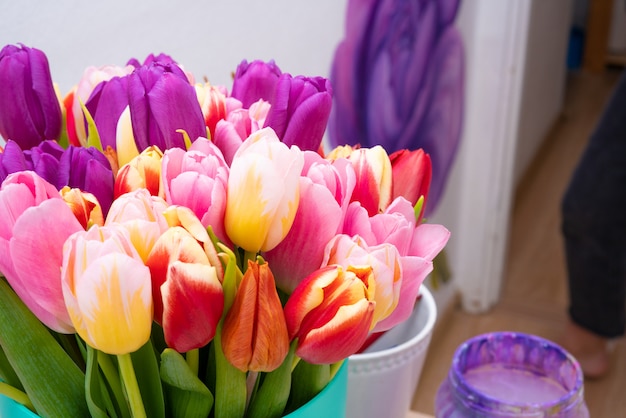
[{"x": 254, "y": 336}]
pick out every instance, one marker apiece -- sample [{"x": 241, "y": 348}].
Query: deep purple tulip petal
[
  {"x": 105, "y": 104},
  {"x": 254, "y": 81},
  {"x": 160, "y": 104},
  {"x": 100, "y": 183},
  {"x": 308, "y": 123},
  {"x": 47, "y": 107},
  {"x": 29, "y": 108},
  {"x": 47, "y": 166},
  {"x": 15, "y": 121}
]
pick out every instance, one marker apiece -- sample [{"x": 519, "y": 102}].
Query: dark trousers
[{"x": 594, "y": 225}]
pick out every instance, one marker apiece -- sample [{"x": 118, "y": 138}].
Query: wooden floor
[{"x": 534, "y": 295}]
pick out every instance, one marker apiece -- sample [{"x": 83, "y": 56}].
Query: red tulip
[
  {"x": 411, "y": 173},
  {"x": 331, "y": 313}
]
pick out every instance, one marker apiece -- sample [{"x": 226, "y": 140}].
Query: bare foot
[{"x": 591, "y": 350}]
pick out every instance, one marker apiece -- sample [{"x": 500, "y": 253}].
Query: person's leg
[{"x": 594, "y": 230}]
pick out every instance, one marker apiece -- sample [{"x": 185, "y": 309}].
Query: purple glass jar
[{"x": 506, "y": 374}]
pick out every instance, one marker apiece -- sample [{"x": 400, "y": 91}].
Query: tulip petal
[
  {"x": 193, "y": 303},
  {"x": 38, "y": 258},
  {"x": 111, "y": 305},
  {"x": 345, "y": 333}
]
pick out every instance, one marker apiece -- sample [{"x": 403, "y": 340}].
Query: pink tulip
[
  {"x": 386, "y": 266},
  {"x": 325, "y": 190},
  {"x": 198, "y": 180},
  {"x": 186, "y": 288},
  {"x": 106, "y": 288},
  {"x": 331, "y": 313},
  {"x": 212, "y": 103},
  {"x": 417, "y": 244},
  {"x": 373, "y": 176},
  {"x": 34, "y": 224},
  {"x": 238, "y": 125},
  {"x": 263, "y": 192}
]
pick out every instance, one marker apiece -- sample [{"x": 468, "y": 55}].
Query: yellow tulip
[
  {"x": 107, "y": 289},
  {"x": 263, "y": 191}
]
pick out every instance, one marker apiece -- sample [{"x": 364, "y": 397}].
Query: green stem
[
  {"x": 193, "y": 360},
  {"x": 113, "y": 379},
  {"x": 17, "y": 395},
  {"x": 132, "y": 388}
]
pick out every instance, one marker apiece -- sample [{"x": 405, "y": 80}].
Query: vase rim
[{"x": 430, "y": 307}]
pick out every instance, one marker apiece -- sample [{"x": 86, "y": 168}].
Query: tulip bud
[
  {"x": 300, "y": 110},
  {"x": 263, "y": 192},
  {"x": 254, "y": 81},
  {"x": 142, "y": 172},
  {"x": 30, "y": 111},
  {"x": 373, "y": 176},
  {"x": 106, "y": 288},
  {"x": 187, "y": 293},
  {"x": 213, "y": 104},
  {"x": 411, "y": 173},
  {"x": 254, "y": 336},
  {"x": 331, "y": 312},
  {"x": 85, "y": 207}
]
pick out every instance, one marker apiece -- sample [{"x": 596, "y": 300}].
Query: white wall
[
  {"x": 516, "y": 65},
  {"x": 209, "y": 38},
  {"x": 544, "y": 77}
]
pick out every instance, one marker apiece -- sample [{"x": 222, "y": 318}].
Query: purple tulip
[
  {"x": 29, "y": 108},
  {"x": 161, "y": 101},
  {"x": 254, "y": 81},
  {"x": 151, "y": 59},
  {"x": 398, "y": 80},
  {"x": 300, "y": 110},
  {"x": 300, "y": 106},
  {"x": 42, "y": 159},
  {"x": 77, "y": 167},
  {"x": 89, "y": 170}
]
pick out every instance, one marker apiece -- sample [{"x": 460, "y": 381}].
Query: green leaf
[
  {"x": 98, "y": 399},
  {"x": 306, "y": 382},
  {"x": 51, "y": 379},
  {"x": 93, "y": 137},
  {"x": 7, "y": 374},
  {"x": 146, "y": 367},
  {"x": 186, "y": 395},
  {"x": 273, "y": 393},
  {"x": 108, "y": 369},
  {"x": 230, "y": 384}
]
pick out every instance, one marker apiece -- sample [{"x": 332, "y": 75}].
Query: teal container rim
[
  {"x": 11, "y": 408},
  {"x": 335, "y": 392}
]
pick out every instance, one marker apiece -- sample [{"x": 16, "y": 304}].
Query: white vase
[{"x": 382, "y": 380}]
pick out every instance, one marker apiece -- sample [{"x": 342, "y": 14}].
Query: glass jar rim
[{"x": 491, "y": 342}]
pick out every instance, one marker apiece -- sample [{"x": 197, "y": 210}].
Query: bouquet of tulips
[{"x": 170, "y": 248}]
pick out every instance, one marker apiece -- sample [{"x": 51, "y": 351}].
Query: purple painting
[{"x": 398, "y": 81}]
